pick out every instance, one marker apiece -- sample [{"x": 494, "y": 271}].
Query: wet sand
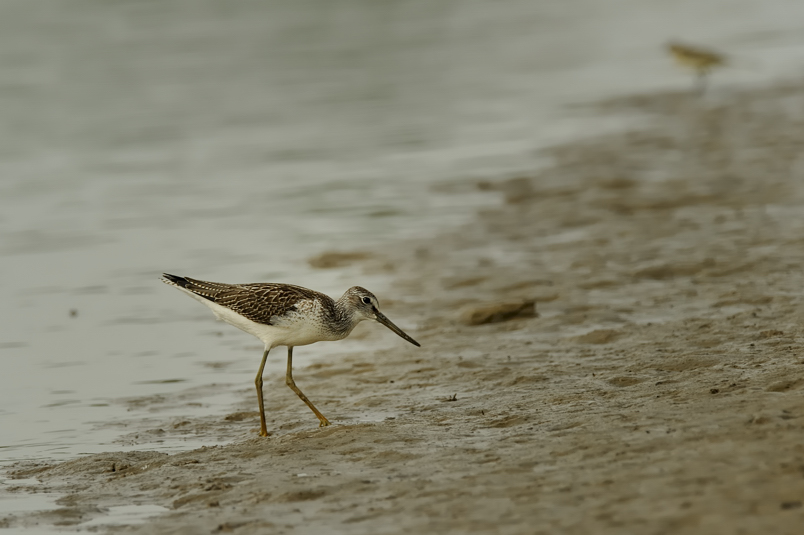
[{"x": 657, "y": 389}]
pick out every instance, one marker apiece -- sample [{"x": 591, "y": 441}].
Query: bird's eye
[{"x": 367, "y": 300}]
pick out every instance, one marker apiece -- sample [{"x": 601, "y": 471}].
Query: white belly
[{"x": 293, "y": 330}]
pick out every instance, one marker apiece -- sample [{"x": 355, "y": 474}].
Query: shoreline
[{"x": 657, "y": 389}]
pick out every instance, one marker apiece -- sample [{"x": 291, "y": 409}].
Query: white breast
[{"x": 298, "y": 328}]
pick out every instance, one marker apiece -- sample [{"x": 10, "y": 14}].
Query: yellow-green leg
[
  {"x": 258, "y": 382},
  {"x": 292, "y": 384}
]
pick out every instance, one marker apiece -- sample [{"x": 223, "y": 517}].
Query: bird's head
[{"x": 366, "y": 307}]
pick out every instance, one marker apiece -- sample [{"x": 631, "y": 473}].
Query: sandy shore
[{"x": 659, "y": 389}]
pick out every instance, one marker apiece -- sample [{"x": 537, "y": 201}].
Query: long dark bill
[{"x": 388, "y": 323}]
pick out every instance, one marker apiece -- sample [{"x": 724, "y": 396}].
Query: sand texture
[{"x": 657, "y": 386}]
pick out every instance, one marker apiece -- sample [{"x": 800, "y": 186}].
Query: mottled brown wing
[{"x": 258, "y": 302}]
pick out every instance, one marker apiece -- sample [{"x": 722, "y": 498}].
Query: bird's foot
[{"x": 324, "y": 422}]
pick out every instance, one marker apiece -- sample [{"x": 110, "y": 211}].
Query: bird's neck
[{"x": 344, "y": 317}]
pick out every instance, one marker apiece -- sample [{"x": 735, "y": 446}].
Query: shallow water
[{"x": 232, "y": 142}]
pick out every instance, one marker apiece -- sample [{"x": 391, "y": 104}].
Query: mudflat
[{"x": 616, "y": 349}]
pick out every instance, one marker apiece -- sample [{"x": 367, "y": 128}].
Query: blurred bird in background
[{"x": 700, "y": 60}]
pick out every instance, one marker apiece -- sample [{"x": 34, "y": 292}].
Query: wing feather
[{"x": 259, "y": 302}]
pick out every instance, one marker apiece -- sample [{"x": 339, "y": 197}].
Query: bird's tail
[{"x": 175, "y": 280}]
